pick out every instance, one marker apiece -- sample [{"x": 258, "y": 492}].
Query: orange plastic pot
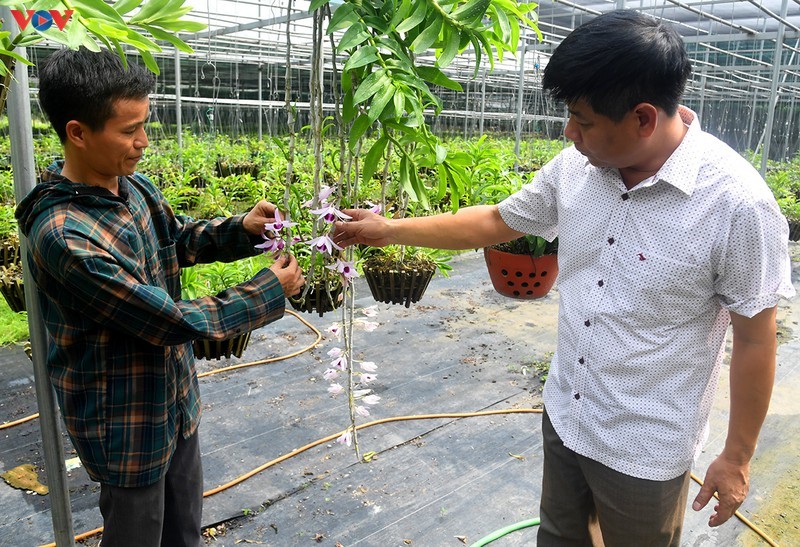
[{"x": 521, "y": 276}]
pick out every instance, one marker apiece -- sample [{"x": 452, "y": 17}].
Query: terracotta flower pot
[
  {"x": 521, "y": 276},
  {"x": 217, "y": 349},
  {"x": 397, "y": 285}
]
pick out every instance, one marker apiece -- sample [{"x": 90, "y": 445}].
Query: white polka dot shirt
[{"x": 647, "y": 277}]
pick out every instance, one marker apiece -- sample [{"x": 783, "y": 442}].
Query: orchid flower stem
[{"x": 347, "y": 331}]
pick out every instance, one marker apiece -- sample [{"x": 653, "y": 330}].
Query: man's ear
[
  {"x": 76, "y": 133},
  {"x": 647, "y": 117}
]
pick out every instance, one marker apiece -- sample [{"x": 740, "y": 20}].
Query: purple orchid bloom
[
  {"x": 323, "y": 243},
  {"x": 279, "y": 223},
  {"x": 329, "y": 213},
  {"x": 271, "y": 245}
]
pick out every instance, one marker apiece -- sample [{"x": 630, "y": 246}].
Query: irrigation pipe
[
  {"x": 318, "y": 334},
  {"x": 505, "y": 531}
]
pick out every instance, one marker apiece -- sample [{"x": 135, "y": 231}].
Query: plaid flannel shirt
[{"x": 107, "y": 269}]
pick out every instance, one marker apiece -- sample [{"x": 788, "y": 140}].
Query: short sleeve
[
  {"x": 533, "y": 209},
  {"x": 755, "y": 270}
]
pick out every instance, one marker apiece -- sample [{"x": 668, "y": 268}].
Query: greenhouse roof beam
[
  {"x": 261, "y": 23},
  {"x": 713, "y": 17},
  {"x": 774, "y": 15}
]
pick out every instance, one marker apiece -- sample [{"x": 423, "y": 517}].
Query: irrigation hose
[
  {"x": 497, "y": 534},
  {"x": 318, "y": 334}
]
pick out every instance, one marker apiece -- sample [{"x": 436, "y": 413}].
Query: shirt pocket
[{"x": 666, "y": 290}]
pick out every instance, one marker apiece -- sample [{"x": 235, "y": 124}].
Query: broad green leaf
[
  {"x": 148, "y": 59},
  {"x": 420, "y": 9},
  {"x": 150, "y": 9},
  {"x": 101, "y": 29},
  {"x": 180, "y": 26},
  {"x": 363, "y": 56},
  {"x": 416, "y": 183},
  {"x": 15, "y": 56},
  {"x": 380, "y": 100},
  {"x": 477, "y": 48},
  {"x": 441, "y": 153},
  {"x": 394, "y": 46},
  {"x": 354, "y": 36},
  {"x": 171, "y": 38},
  {"x": 399, "y": 100},
  {"x": 124, "y": 6},
  {"x": 377, "y": 24},
  {"x": 96, "y": 9},
  {"x": 405, "y": 179},
  {"x": 501, "y": 24},
  {"x": 470, "y": 12},
  {"x": 316, "y": 4},
  {"x": 451, "y": 46},
  {"x": 358, "y": 129},
  {"x": 486, "y": 47},
  {"x": 28, "y": 40},
  {"x": 441, "y": 189},
  {"x": 348, "y": 108},
  {"x": 401, "y": 13},
  {"x": 344, "y": 16},
  {"x": 373, "y": 157},
  {"x": 369, "y": 86},
  {"x": 437, "y": 77},
  {"x": 427, "y": 37},
  {"x": 140, "y": 42}
]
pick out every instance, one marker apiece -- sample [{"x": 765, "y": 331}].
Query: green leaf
[
  {"x": 405, "y": 179},
  {"x": 380, "y": 101},
  {"x": 394, "y": 46},
  {"x": 140, "y": 42},
  {"x": 171, "y": 38},
  {"x": 370, "y": 86},
  {"x": 451, "y": 46},
  {"x": 428, "y": 36},
  {"x": 373, "y": 157},
  {"x": 349, "y": 110},
  {"x": 343, "y": 16},
  {"x": 96, "y": 9},
  {"x": 502, "y": 25},
  {"x": 150, "y": 61},
  {"x": 358, "y": 129},
  {"x": 417, "y": 17},
  {"x": 399, "y": 103},
  {"x": 477, "y": 48},
  {"x": 99, "y": 28},
  {"x": 124, "y": 6},
  {"x": 150, "y": 9},
  {"x": 437, "y": 77},
  {"x": 363, "y": 56},
  {"x": 316, "y": 4},
  {"x": 441, "y": 153},
  {"x": 180, "y": 26},
  {"x": 470, "y": 12},
  {"x": 401, "y": 13},
  {"x": 354, "y": 36}
]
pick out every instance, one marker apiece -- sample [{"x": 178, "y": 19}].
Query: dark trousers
[
  {"x": 585, "y": 503},
  {"x": 164, "y": 514}
]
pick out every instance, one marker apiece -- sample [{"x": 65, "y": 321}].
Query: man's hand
[
  {"x": 731, "y": 480},
  {"x": 289, "y": 274},
  {"x": 259, "y": 215},
  {"x": 366, "y": 228}
]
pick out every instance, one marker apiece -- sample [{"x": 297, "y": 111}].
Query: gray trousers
[
  {"x": 585, "y": 503},
  {"x": 164, "y": 514}
]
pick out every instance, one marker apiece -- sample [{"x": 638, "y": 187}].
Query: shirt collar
[{"x": 681, "y": 168}]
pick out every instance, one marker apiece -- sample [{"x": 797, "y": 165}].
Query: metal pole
[
  {"x": 520, "y": 88},
  {"x": 22, "y": 163},
  {"x": 260, "y": 108},
  {"x": 483, "y": 101},
  {"x": 178, "y": 114},
  {"x": 773, "y": 92},
  {"x": 466, "y": 111}
]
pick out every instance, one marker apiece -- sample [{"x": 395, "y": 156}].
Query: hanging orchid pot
[
  {"x": 9, "y": 250},
  {"x": 794, "y": 230},
  {"x": 217, "y": 349},
  {"x": 11, "y": 287},
  {"x": 323, "y": 296},
  {"x": 398, "y": 282}
]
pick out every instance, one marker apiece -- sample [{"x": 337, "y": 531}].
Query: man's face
[
  {"x": 115, "y": 149},
  {"x": 605, "y": 143}
]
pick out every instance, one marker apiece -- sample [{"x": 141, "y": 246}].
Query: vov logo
[{"x": 41, "y": 19}]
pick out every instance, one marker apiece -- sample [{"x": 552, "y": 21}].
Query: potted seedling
[{"x": 524, "y": 268}]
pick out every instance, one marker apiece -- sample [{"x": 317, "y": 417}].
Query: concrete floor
[{"x": 437, "y": 482}]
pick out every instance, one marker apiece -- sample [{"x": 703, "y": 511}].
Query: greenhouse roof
[{"x": 732, "y": 43}]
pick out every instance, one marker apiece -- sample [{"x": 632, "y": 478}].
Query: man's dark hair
[
  {"x": 82, "y": 85},
  {"x": 618, "y": 60}
]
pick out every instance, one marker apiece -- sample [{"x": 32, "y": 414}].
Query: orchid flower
[
  {"x": 330, "y": 374},
  {"x": 335, "y": 389},
  {"x": 362, "y": 411},
  {"x": 377, "y": 209},
  {"x": 372, "y": 399},
  {"x": 336, "y": 330},
  {"x": 323, "y": 243},
  {"x": 369, "y": 366},
  {"x": 324, "y": 194},
  {"x": 369, "y": 326},
  {"x": 279, "y": 223},
  {"x": 329, "y": 213},
  {"x": 333, "y": 353},
  {"x": 347, "y": 269},
  {"x": 340, "y": 363},
  {"x": 271, "y": 245},
  {"x": 371, "y": 311},
  {"x": 345, "y": 438},
  {"x": 367, "y": 378}
]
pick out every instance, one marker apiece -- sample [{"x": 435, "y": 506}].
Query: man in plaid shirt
[{"x": 106, "y": 251}]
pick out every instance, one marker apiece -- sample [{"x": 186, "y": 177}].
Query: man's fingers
[{"x": 703, "y": 497}]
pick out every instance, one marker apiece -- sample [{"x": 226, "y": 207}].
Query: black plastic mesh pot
[
  {"x": 217, "y": 349},
  {"x": 397, "y": 286},
  {"x": 318, "y": 299}
]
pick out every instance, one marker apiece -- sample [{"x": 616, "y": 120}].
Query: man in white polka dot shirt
[{"x": 666, "y": 237}]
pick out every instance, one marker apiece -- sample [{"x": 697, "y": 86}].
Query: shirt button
[
  {"x": 600, "y": 283},
  {"x": 577, "y": 396},
  {"x": 610, "y": 240},
  {"x": 580, "y": 360},
  {"x": 625, "y": 196},
  {"x": 587, "y": 323}
]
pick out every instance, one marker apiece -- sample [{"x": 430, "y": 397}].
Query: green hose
[{"x": 503, "y": 531}]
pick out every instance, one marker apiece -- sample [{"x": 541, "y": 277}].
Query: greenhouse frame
[{"x": 254, "y": 74}]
